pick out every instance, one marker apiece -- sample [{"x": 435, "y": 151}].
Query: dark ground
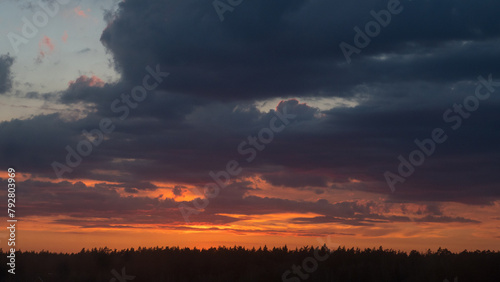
[{"x": 238, "y": 264}]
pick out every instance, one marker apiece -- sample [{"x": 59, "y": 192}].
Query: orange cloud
[{"x": 65, "y": 37}]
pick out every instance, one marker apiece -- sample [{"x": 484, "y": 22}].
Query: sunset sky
[{"x": 216, "y": 80}]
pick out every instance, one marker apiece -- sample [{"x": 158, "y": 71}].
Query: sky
[{"x": 198, "y": 123}]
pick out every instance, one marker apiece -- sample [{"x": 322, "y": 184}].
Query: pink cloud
[
  {"x": 78, "y": 10},
  {"x": 65, "y": 37},
  {"x": 45, "y": 47},
  {"x": 46, "y": 42}
]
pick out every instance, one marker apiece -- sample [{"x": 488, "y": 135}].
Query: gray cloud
[
  {"x": 5, "y": 73},
  {"x": 291, "y": 48}
]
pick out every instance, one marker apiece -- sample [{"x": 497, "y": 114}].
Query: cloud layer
[
  {"x": 5, "y": 73},
  {"x": 424, "y": 64}
]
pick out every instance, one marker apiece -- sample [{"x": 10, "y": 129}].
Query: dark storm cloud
[
  {"x": 446, "y": 219},
  {"x": 346, "y": 143},
  {"x": 28, "y": 145},
  {"x": 5, "y": 73},
  {"x": 297, "y": 179},
  {"x": 291, "y": 48}
]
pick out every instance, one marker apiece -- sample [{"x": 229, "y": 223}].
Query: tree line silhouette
[{"x": 239, "y": 264}]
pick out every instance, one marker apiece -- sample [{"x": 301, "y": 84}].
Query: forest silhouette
[{"x": 239, "y": 264}]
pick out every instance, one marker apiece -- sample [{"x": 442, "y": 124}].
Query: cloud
[
  {"x": 31, "y": 143},
  {"x": 46, "y": 43},
  {"x": 259, "y": 53},
  {"x": 178, "y": 190},
  {"x": 6, "y": 62},
  {"x": 84, "y": 50},
  {"x": 85, "y": 81},
  {"x": 65, "y": 37},
  {"x": 173, "y": 137},
  {"x": 117, "y": 206},
  {"x": 79, "y": 12},
  {"x": 296, "y": 179},
  {"x": 45, "y": 47},
  {"x": 446, "y": 219}
]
